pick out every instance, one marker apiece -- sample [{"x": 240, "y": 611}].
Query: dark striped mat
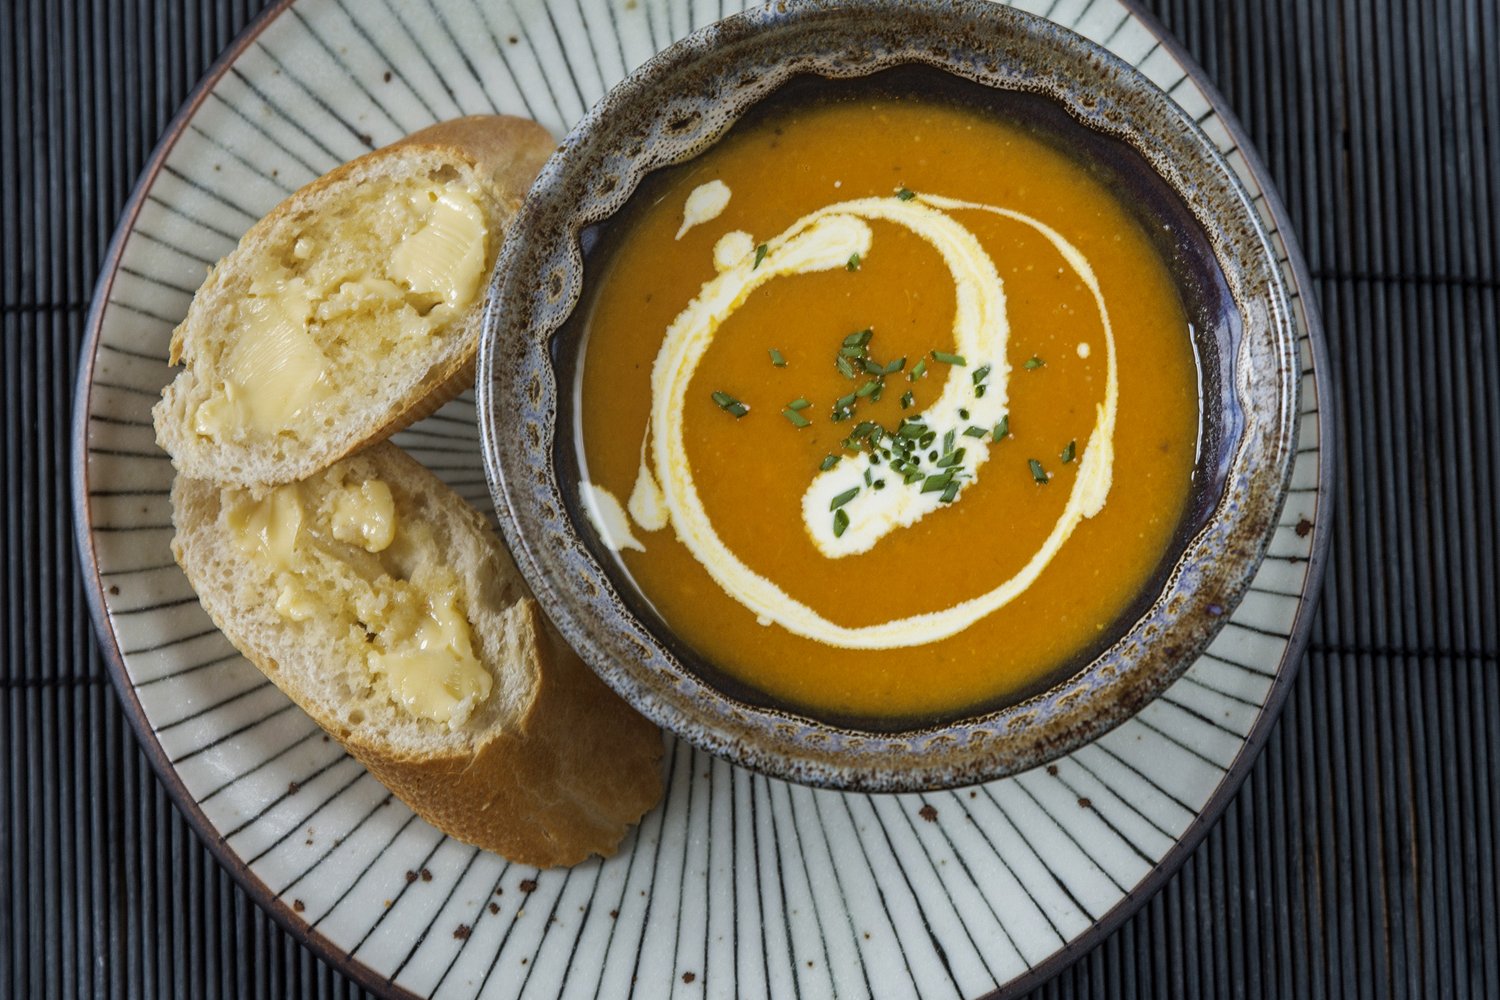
[{"x": 1362, "y": 857}]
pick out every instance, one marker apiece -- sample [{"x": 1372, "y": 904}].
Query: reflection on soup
[{"x": 889, "y": 408}]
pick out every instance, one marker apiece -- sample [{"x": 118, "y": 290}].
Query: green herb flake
[
  {"x": 829, "y": 461},
  {"x": 1002, "y": 429},
  {"x": 911, "y": 475},
  {"x": 949, "y": 359},
  {"x": 840, "y": 523},
  {"x": 800, "y": 403},
  {"x": 863, "y": 429},
  {"x": 853, "y": 264},
  {"x": 843, "y": 498},
  {"x": 906, "y": 400},
  {"x": 796, "y": 419},
  {"x": 937, "y": 482},
  {"x": 859, "y": 338},
  {"x": 917, "y": 370},
  {"x": 844, "y": 402},
  {"x": 777, "y": 359},
  {"x": 975, "y": 432},
  {"x": 760, "y": 255},
  {"x": 951, "y": 459},
  {"x": 1069, "y": 452},
  {"x": 981, "y": 373},
  {"x": 905, "y": 194},
  {"x": 893, "y": 367},
  {"x": 950, "y": 493},
  {"x": 912, "y": 430},
  {"x": 1033, "y": 363},
  {"x": 845, "y": 368},
  {"x": 730, "y": 405},
  {"x": 1037, "y": 472},
  {"x": 867, "y": 388},
  {"x": 949, "y": 439}
]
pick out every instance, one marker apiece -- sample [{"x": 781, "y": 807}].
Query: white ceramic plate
[{"x": 737, "y": 885}]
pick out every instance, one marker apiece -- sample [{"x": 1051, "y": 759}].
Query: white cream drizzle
[
  {"x": 822, "y": 240},
  {"x": 706, "y": 203},
  {"x": 608, "y": 518}
]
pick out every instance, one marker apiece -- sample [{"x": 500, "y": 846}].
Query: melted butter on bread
[{"x": 407, "y": 621}]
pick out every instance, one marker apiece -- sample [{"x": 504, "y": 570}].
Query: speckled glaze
[{"x": 673, "y": 108}]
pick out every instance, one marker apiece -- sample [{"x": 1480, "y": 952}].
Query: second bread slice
[{"x": 351, "y": 310}]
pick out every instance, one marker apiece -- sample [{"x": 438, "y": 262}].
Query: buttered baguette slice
[
  {"x": 383, "y": 605},
  {"x": 349, "y": 311}
]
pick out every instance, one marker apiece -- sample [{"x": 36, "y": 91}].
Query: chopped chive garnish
[
  {"x": 843, "y": 498},
  {"x": 948, "y": 441},
  {"x": 905, "y": 194},
  {"x": 867, "y": 388},
  {"x": 963, "y": 414},
  {"x": 917, "y": 370},
  {"x": 829, "y": 461},
  {"x": 729, "y": 404},
  {"x": 1037, "y": 472},
  {"x": 869, "y": 477},
  {"x": 852, "y": 351},
  {"x": 912, "y": 430},
  {"x": 840, "y": 522},
  {"x": 1069, "y": 452},
  {"x": 839, "y": 416},
  {"x": 950, "y": 492},
  {"x": 845, "y": 368},
  {"x": 951, "y": 459},
  {"x": 800, "y": 403},
  {"x": 981, "y": 373},
  {"x": 859, "y": 338},
  {"x": 911, "y": 475},
  {"x": 949, "y": 359},
  {"x": 979, "y": 391},
  {"x": 844, "y": 402},
  {"x": 906, "y": 400},
  {"x": 777, "y": 359},
  {"x": 863, "y": 429},
  {"x": 760, "y": 255},
  {"x": 871, "y": 367},
  {"x": 797, "y": 419},
  {"x": 853, "y": 264},
  {"x": 893, "y": 367},
  {"x": 925, "y": 441},
  {"x": 1033, "y": 363},
  {"x": 1002, "y": 429},
  {"x": 937, "y": 482},
  {"x": 879, "y": 391},
  {"x": 975, "y": 432},
  {"x": 880, "y": 484}
]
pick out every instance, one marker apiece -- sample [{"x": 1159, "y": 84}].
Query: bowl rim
[{"x": 626, "y": 653}]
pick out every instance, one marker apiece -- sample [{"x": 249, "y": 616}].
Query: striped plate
[{"x": 737, "y": 886}]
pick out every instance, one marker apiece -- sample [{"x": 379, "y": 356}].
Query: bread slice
[
  {"x": 351, "y": 310},
  {"x": 548, "y": 767}
]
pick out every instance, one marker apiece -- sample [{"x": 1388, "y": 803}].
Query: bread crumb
[
  {"x": 928, "y": 813},
  {"x": 688, "y": 977},
  {"x": 461, "y": 932},
  {"x": 411, "y": 876},
  {"x": 426, "y": 875},
  {"x": 494, "y": 908},
  {"x": 298, "y": 905},
  {"x": 528, "y": 885}
]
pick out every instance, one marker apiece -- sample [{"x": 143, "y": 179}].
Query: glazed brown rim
[{"x": 1167, "y": 866}]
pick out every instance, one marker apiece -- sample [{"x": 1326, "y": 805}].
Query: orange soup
[{"x": 888, "y": 407}]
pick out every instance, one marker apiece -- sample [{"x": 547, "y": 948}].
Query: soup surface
[{"x": 889, "y": 408}]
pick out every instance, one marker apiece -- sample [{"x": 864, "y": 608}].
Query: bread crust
[
  {"x": 562, "y": 774},
  {"x": 506, "y": 152}
]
